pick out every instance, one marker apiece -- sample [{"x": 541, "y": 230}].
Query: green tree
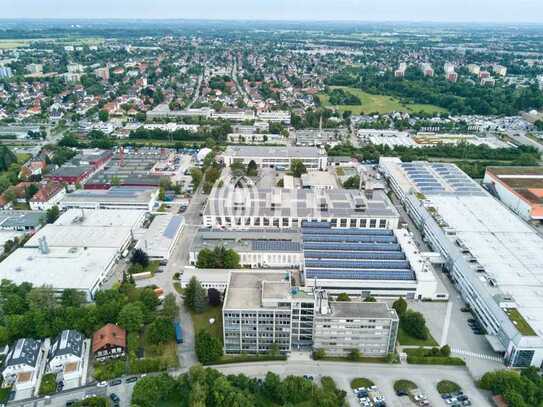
[
  {"x": 199, "y": 300},
  {"x": 354, "y": 355},
  {"x": 52, "y": 214},
  {"x": 370, "y": 298},
  {"x": 140, "y": 257},
  {"x": 208, "y": 348},
  {"x": 103, "y": 116},
  {"x": 352, "y": 182},
  {"x": 72, "y": 298},
  {"x": 151, "y": 390},
  {"x": 445, "y": 351},
  {"x": 252, "y": 169},
  {"x": 414, "y": 324},
  {"x": 160, "y": 331},
  {"x": 131, "y": 317},
  {"x": 297, "y": 168},
  {"x": 319, "y": 354},
  {"x": 400, "y": 305},
  {"x": 343, "y": 297},
  {"x": 170, "y": 309}
]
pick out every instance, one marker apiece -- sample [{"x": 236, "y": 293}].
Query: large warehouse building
[
  {"x": 494, "y": 257},
  {"x": 276, "y": 157},
  {"x": 234, "y": 207},
  {"x": 364, "y": 262},
  {"x": 519, "y": 188}
]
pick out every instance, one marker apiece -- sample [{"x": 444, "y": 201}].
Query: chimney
[{"x": 42, "y": 243}]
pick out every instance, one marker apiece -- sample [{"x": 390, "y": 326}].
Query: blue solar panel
[
  {"x": 390, "y": 247},
  {"x": 354, "y": 255},
  {"x": 404, "y": 275},
  {"x": 376, "y": 264},
  {"x": 276, "y": 245},
  {"x": 350, "y": 238},
  {"x": 172, "y": 227},
  {"x": 348, "y": 231}
]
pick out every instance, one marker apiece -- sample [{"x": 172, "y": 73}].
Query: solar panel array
[
  {"x": 456, "y": 179},
  {"x": 421, "y": 176},
  {"x": 276, "y": 245},
  {"x": 358, "y": 254}
]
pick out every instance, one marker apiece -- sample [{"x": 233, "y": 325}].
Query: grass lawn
[
  {"x": 7, "y": 44},
  {"x": 361, "y": 382},
  {"x": 363, "y": 359},
  {"x": 405, "y": 385},
  {"x": 407, "y": 340},
  {"x": 378, "y": 103},
  {"x": 518, "y": 320},
  {"x": 201, "y": 321}
]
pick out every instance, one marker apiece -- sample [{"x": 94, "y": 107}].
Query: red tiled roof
[{"x": 109, "y": 334}]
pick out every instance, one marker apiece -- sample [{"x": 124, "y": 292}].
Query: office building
[
  {"x": 493, "y": 256},
  {"x": 275, "y": 116},
  {"x": 159, "y": 238},
  {"x": 341, "y": 327},
  {"x": 276, "y": 157},
  {"x": 364, "y": 262},
  {"x": 242, "y": 208},
  {"x": 519, "y": 188},
  {"x": 5, "y": 72},
  {"x": 400, "y": 72},
  {"x": 261, "y": 310}
]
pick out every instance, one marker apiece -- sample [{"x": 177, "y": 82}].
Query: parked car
[
  {"x": 132, "y": 379},
  {"x": 101, "y": 384},
  {"x": 115, "y": 382}
]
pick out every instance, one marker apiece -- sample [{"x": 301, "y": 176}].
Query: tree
[
  {"x": 140, "y": 257},
  {"x": 160, "y": 331},
  {"x": 42, "y": 298},
  {"x": 30, "y": 191},
  {"x": 214, "y": 297},
  {"x": 414, "y": 324},
  {"x": 131, "y": 317},
  {"x": 343, "y": 297},
  {"x": 400, "y": 305},
  {"x": 170, "y": 309},
  {"x": 199, "y": 300},
  {"x": 445, "y": 351},
  {"x": 319, "y": 354},
  {"x": 352, "y": 182},
  {"x": 297, "y": 168},
  {"x": 354, "y": 355},
  {"x": 208, "y": 348},
  {"x": 52, "y": 214},
  {"x": 72, "y": 298},
  {"x": 219, "y": 257},
  {"x": 252, "y": 169},
  {"x": 151, "y": 390},
  {"x": 103, "y": 115},
  {"x": 369, "y": 298}
]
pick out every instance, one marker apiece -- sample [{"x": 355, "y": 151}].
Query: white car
[{"x": 101, "y": 384}]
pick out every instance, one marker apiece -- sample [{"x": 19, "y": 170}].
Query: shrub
[
  {"x": 446, "y": 386},
  {"x": 319, "y": 354},
  {"x": 48, "y": 384},
  {"x": 109, "y": 370}
]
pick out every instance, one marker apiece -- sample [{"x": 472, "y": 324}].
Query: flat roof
[
  {"x": 245, "y": 288},
  {"x": 345, "y": 309},
  {"x": 113, "y": 195},
  {"x": 61, "y": 268},
  {"x": 15, "y": 219},
  {"x": 319, "y": 178},
  {"x": 273, "y": 151},
  {"x": 525, "y": 181},
  {"x": 157, "y": 240},
  {"x": 304, "y": 203},
  {"x": 100, "y": 217}
]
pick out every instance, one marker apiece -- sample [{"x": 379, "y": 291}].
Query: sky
[{"x": 352, "y": 10}]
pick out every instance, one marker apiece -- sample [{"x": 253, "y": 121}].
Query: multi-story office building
[
  {"x": 244, "y": 208},
  {"x": 276, "y": 157},
  {"x": 5, "y": 72},
  {"x": 275, "y": 116},
  {"x": 493, "y": 256},
  {"x": 261, "y": 310},
  {"x": 341, "y": 327}
]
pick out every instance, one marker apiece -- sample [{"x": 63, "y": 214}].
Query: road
[
  {"x": 196, "y": 93},
  {"x": 239, "y": 86}
]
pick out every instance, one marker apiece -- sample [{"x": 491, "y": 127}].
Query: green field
[
  {"x": 406, "y": 340},
  {"x": 201, "y": 322},
  {"x": 8, "y": 44},
  {"x": 378, "y": 103}
]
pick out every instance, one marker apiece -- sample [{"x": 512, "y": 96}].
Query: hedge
[
  {"x": 435, "y": 360},
  {"x": 246, "y": 358}
]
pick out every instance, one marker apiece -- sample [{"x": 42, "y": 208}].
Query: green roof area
[{"x": 518, "y": 320}]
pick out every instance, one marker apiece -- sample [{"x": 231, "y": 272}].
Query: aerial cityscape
[{"x": 314, "y": 207}]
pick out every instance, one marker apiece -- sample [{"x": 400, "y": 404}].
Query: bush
[
  {"x": 109, "y": 370},
  {"x": 208, "y": 348},
  {"x": 413, "y": 323},
  {"x": 431, "y": 356},
  {"x": 319, "y": 354},
  {"x": 354, "y": 355},
  {"x": 404, "y": 385},
  {"x": 361, "y": 382},
  {"x": 446, "y": 386},
  {"x": 48, "y": 384},
  {"x": 445, "y": 350},
  {"x": 146, "y": 365}
]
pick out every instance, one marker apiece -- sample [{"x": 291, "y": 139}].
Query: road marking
[
  {"x": 476, "y": 355},
  {"x": 445, "y": 331}
]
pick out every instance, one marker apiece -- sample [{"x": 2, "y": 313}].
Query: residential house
[
  {"x": 22, "y": 364},
  {"x": 49, "y": 195},
  {"x": 67, "y": 356},
  {"x": 109, "y": 342}
]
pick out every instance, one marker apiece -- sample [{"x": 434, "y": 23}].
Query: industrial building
[
  {"x": 119, "y": 198},
  {"x": 159, "y": 239},
  {"x": 493, "y": 256},
  {"x": 364, "y": 262},
  {"x": 242, "y": 208},
  {"x": 276, "y": 157},
  {"x": 341, "y": 327},
  {"x": 257, "y": 248},
  {"x": 78, "y": 251},
  {"x": 519, "y": 188}
]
